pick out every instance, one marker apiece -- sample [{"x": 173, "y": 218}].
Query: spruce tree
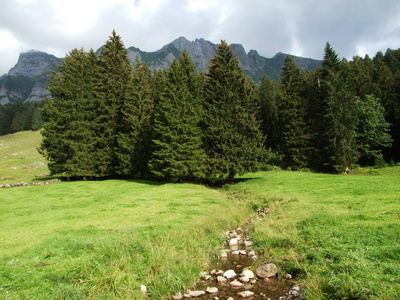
[
  {"x": 135, "y": 143},
  {"x": 337, "y": 132},
  {"x": 232, "y": 137},
  {"x": 70, "y": 141},
  {"x": 177, "y": 149},
  {"x": 116, "y": 79},
  {"x": 292, "y": 113},
  {"x": 268, "y": 112}
]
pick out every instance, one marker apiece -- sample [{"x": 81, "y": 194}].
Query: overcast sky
[{"x": 298, "y": 27}]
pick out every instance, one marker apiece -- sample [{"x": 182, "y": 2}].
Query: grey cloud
[{"x": 264, "y": 25}]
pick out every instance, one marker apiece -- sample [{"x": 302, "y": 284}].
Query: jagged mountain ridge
[{"x": 27, "y": 79}]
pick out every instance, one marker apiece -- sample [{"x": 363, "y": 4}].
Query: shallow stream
[{"x": 238, "y": 258}]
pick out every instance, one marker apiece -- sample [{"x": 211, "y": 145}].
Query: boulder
[
  {"x": 212, "y": 290},
  {"x": 245, "y": 294},
  {"x": 230, "y": 274},
  {"x": 248, "y": 273},
  {"x": 267, "y": 271},
  {"x": 196, "y": 293},
  {"x": 236, "y": 283}
]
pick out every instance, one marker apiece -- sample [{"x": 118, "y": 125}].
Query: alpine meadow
[{"x": 131, "y": 178}]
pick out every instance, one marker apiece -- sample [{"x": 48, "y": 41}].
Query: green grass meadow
[{"x": 339, "y": 235}]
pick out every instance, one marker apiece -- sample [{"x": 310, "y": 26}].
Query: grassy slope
[
  {"x": 340, "y": 233},
  {"x": 19, "y": 159}
]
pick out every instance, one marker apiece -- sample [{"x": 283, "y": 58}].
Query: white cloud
[{"x": 291, "y": 26}]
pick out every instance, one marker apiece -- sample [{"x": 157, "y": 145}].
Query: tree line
[
  {"x": 109, "y": 119},
  {"x": 20, "y": 116}
]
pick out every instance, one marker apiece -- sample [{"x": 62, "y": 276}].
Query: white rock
[
  {"x": 196, "y": 293},
  {"x": 143, "y": 288},
  {"x": 245, "y": 294},
  {"x": 224, "y": 255},
  {"x": 244, "y": 279},
  {"x": 213, "y": 272},
  {"x": 235, "y": 252},
  {"x": 267, "y": 271},
  {"x": 219, "y": 272},
  {"x": 242, "y": 252},
  {"x": 233, "y": 242},
  {"x": 251, "y": 253},
  {"x": 230, "y": 274},
  {"x": 236, "y": 283},
  {"x": 212, "y": 290},
  {"x": 248, "y": 273},
  {"x": 247, "y": 243},
  {"x": 178, "y": 296},
  {"x": 230, "y": 298},
  {"x": 221, "y": 279}
]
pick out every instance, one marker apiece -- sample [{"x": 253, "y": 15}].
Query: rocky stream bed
[{"x": 234, "y": 274}]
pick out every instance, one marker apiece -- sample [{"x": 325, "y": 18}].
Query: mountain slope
[{"x": 27, "y": 79}]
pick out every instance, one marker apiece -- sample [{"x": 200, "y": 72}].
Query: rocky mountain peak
[{"x": 34, "y": 63}]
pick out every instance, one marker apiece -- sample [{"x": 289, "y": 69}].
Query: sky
[{"x": 297, "y": 27}]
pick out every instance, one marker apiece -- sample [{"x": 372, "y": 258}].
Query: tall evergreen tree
[
  {"x": 372, "y": 128},
  {"x": 232, "y": 138},
  {"x": 292, "y": 112},
  {"x": 336, "y": 138},
  {"x": 177, "y": 150},
  {"x": 268, "y": 112},
  {"x": 116, "y": 78},
  {"x": 135, "y": 142},
  {"x": 70, "y": 141}
]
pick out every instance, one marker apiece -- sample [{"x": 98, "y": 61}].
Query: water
[{"x": 272, "y": 288}]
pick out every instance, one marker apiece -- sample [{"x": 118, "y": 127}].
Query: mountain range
[{"x": 26, "y": 81}]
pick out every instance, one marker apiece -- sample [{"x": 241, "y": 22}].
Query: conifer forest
[{"x": 108, "y": 118}]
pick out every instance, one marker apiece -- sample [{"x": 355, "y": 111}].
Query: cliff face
[
  {"x": 201, "y": 51},
  {"x": 26, "y": 81}
]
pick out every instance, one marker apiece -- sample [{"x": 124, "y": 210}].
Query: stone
[
  {"x": 143, "y": 289},
  {"x": 212, "y": 290},
  {"x": 236, "y": 283},
  {"x": 177, "y": 296},
  {"x": 267, "y": 271},
  {"x": 224, "y": 255},
  {"x": 196, "y": 293},
  {"x": 233, "y": 242},
  {"x": 248, "y": 273},
  {"x": 251, "y": 253},
  {"x": 235, "y": 252},
  {"x": 247, "y": 243},
  {"x": 230, "y": 298},
  {"x": 230, "y": 274},
  {"x": 244, "y": 279},
  {"x": 288, "y": 276},
  {"x": 221, "y": 279},
  {"x": 245, "y": 294},
  {"x": 219, "y": 272},
  {"x": 242, "y": 252}
]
